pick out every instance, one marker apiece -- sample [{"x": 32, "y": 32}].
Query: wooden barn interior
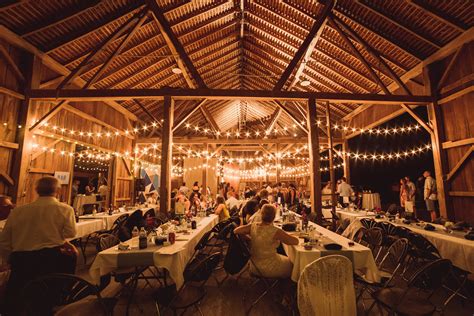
[{"x": 246, "y": 92}]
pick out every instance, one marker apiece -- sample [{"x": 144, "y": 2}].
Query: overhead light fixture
[
  {"x": 176, "y": 70},
  {"x": 305, "y": 83}
]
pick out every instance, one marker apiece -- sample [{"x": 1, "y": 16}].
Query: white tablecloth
[
  {"x": 371, "y": 201},
  {"x": 361, "y": 257},
  {"x": 173, "y": 258},
  {"x": 450, "y": 246},
  {"x": 86, "y": 227},
  {"x": 80, "y": 200},
  {"x": 343, "y": 214}
]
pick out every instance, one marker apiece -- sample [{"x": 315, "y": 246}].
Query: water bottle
[
  {"x": 142, "y": 240},
  {"x": 135, "y": 233}
]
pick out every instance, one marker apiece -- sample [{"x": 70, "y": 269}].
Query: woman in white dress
[{"x": 265, "y": 238}]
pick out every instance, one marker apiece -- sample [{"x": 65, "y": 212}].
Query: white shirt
[
  {"x": 344, "y": 189},
  {"x": 430, "y": 186},
  {"x": 45, "y": 223},
  {"x": 231, "y": 202},
  {"x": 103, "y": 189}
]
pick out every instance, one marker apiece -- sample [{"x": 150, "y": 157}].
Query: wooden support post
[
  {"x": 346, "y": 161},
  {"x": 437, "y": 137},
  {"x": 71, "y": 173},
  {"x": 332, "y": 172},
  {"x": 19, "y": 171},
  {"x": 112, "y": 179},
  {"x": 133, "y": 172},
  {"x": 204, "y": 174},
  {"x": 314, "y": 158},
  {"x": 166, "y": 151},
  {"x": 278, "y": 163}
]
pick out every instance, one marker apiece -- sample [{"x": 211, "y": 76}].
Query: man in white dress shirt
[
  {"x": 345, "y": 192},
  {"x": 231, "y": 201},
  {"x": 34, "y": 239}
]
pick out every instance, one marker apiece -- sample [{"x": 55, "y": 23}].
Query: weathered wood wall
[
  {"x": 44, "y": 146},
  {"x": 458, "y": 117}
]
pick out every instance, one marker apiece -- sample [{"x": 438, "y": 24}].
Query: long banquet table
[
  {"x": 361, "y": 256},
  {"x": 452, "y": 246},
  {"x": 173, "y": 258},
  {"x": 110, "y": 219}
]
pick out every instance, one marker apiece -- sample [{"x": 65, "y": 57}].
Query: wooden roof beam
[
  {"x": 425, "y": 38},
  {"x": 93, "y": 27},
  {"x": 184, "y": 62},
  {"x": 439, "y": 15},
  {"x": 306, "y": 47},
  {"x": 189, "y": 114},
  {"x": 58, "y": 17},
  {"x": 219, "y": 94},
  {"x": 241, "y": 141}
]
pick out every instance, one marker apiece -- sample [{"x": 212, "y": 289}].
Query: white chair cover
[{"x": 326, "y": 288}]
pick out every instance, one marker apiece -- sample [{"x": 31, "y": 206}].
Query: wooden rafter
[
  {"x": 6, "y": 178},
  {"x": 189, "y": 114},
  {"x": 117, "y": 51},
  {"x": 448, "y": 68},
  {"x": 241, "y": 141},
  {"x": 80, "y": 68},
  {"x": 425, "y": 38},
  {"x": 359, "y": 56},
  {"x": 93, "y": 27},
  {"x": 174, "y": 44},
  {"x": 306, "y": 47},
  {"x": 58, "y": 18},
  {"x": 183, "y": 94},
  {"x": 437, "y": 14},
  {"x": 147, "y": 112},
  {"x": 209, "y": 118}
]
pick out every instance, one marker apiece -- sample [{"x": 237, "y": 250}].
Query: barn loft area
[{"x": 124, "y": 101}]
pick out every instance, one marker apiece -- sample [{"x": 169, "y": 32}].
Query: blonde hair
[
  {"x": 268, "y": 213},
  {"x": 47, "y": 186}
]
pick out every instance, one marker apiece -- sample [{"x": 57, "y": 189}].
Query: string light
[
  {"x": 386, "y": 156},
  {"x": 378, "y": 131}
]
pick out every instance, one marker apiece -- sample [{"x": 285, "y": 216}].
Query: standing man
[
  {"x": 430, "y": 194},
  {"x": 411, "y": 192},
  {"x": 345, "y": 192},
  {"x": 34, "y": 239}
]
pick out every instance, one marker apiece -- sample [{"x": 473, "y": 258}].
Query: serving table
[{"x": 173, "y": 257}]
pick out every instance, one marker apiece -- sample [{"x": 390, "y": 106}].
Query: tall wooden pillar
[
  {"x": 278, "y": 162},
  {"x": 204, "y": 174},
  {"x": 346, "y": 160},
  {"x": 166, "y": 151},
  {"x": 437, "y": 137},
  {"x": 332, "y": 172},
  {"x": 22, "y": 155},
  {"x": 314, "y": 158},
  {"x": 112, "y": 179}
]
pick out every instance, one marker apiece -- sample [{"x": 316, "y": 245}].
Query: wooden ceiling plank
[
  {"x": 358, "y": 55},
  {"x": 147, "y": 112},
  {"x": 437, "y": 14},
  {"x": 78, "y": 70},
  {"x": 184, "y": 62},
  {"x": 59, "y": 17},
  {"x": 306, "y": 47},
  {"x": 425, "y": 38},
  {"x": 117, "y": 51},
  {"x": 93, "y": 27}
]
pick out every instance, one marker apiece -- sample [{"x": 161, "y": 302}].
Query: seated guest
[
  {"x": 6, "y": 206},
  {"x": 221, "y": 209},
  {"x": 182, "y": 204},
  {"x": 265, "y": 239},
  {"x": 232, "y": 201},
  {"x": 34, "y": 239},
  {"x": 257, "y": 216},
  {"x": 250, "y": 208}
]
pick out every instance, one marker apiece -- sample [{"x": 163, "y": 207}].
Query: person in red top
[{"x": 6, "y": 206}]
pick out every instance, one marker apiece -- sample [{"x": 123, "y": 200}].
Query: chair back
[
  {"x": 234, "y": 210},
  {"x": 237, "y": 256},
  {"x": 395, "y": 256},
  {"x": 200, "y": 271},
  {"x": 118, "y": 223},
  {"x": 368, "y": 222},
  {"x": 326, "y": 288},
  {"x": 432, "y": 275},
  {"x": 149, "y": 213},
  {"x": 359, "y": 234},
  {"x": 106, "y": 241},
  {"x": 42, "y": 295},
  {"x": 219, "y": 226},
  {"x": 422, "y": 247},
  {"x": 374, "y": 237}
]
